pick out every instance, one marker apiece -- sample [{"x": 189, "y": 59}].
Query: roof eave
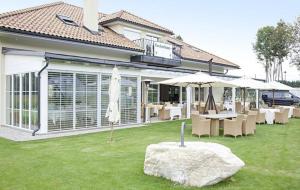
[
  {"x": 35, "y": 34},
  {"x": 215, "y": 63}
]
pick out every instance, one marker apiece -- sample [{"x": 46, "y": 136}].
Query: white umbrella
[
  {"x": 112, "y": 112},
  {"x": 274, "y": 85},
  {"x": 248, "y": 83},
  {"x": 197, "y": 79},
  {"x": 200, "y": 80}
]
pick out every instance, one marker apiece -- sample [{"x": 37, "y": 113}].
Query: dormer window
[{"x": 67, "y": 20}]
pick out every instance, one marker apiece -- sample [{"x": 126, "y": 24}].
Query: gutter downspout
[{"x": 39, "y": 97}]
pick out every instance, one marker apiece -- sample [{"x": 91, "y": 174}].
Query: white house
[{"x": 56, "y": 61}]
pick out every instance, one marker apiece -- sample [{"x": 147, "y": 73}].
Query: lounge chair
[
  {"x": 282, "y": 116},
  {"x": 200, "y": 125},
  {"x": 233, "y": 127},
  {"x": 249, "y": 124}
]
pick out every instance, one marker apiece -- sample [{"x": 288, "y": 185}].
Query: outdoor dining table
[
  {"x": 215, "y": 121},
  {"x": 174, "y": 111},
  {"x": 270, "y": 114}
]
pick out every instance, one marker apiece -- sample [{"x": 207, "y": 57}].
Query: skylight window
[{"x": 66, "y": 20}]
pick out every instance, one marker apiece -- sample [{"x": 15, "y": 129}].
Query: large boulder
[{"x": 197, "y": 164}]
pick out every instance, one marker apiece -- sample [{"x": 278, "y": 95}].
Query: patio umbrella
[
  {"x": 245, "y": 83},
  {"x": 200, "y": 80},
  {"x": 112, "y": 112},
  {"x": 274, "y": 85}
]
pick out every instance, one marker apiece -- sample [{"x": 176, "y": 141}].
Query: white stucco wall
[
  {"x": 22, "y": 64},
  {"x": 2, "y": 88},
  {"x": 119, "y": 27}
]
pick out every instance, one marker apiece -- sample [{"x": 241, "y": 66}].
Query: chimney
[{"x": 90, "y": 15}]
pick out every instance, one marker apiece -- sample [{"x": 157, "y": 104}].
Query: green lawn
[{"x": 272, "y": 160}]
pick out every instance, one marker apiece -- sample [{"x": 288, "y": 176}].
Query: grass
[{"x": 272, "y": 160}]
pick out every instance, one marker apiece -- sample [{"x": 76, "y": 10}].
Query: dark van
[{"x": 280, "y": 98}]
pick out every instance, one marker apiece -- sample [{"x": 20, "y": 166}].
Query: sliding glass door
[{"x": 21, "y": 100}]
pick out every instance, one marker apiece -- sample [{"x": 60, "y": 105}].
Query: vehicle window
[{"x": 287, "y": 95}]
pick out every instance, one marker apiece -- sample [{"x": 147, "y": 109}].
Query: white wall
[
  {"x": 44, "y": 103},
  {"x": 120, "y": 26},
  {"x": 2, "y": 88},
  {"x": 22, "y": 64}
]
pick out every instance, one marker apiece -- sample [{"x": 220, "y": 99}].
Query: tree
[
  {"x": 273, "y": 45},
  {"x": 282, "y": 43},
  {"x": 263, "y": 48},
  {"x": 295, "y": 52}
]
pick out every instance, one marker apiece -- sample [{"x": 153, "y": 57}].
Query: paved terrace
[{"x": 21, "y": 135}]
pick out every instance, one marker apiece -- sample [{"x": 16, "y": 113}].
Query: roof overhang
[
  {"x": 25, "y": 34},
  {"x": 225, "y": 66}
]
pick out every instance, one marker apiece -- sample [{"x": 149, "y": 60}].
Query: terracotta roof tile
[
  {"x": 193, "y": 53},
  {"x": 129, "y": 17},
  {"x": 43, "y": 20}
]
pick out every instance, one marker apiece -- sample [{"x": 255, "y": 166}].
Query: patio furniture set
[{"x": 237, "y": 124}]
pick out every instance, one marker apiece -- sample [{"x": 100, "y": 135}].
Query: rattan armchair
[
  {"x": 238, "y": 107},
  {"x": 200, "y": 126},
  {"x": 296, "y": 112},
  {"x": 260, "y": 117},
  {"x": 248, "y": 126},
  {"x": 233, "y": 127},
  {"x": 282, "y": 116},
  {"x": 164, "y": 114}
]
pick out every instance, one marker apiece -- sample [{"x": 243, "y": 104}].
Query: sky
[{"x": 225, "y": 28}]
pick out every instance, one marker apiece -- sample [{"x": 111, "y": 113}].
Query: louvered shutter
[
  {"x": 86, "y": 100},
  {"x": 60, "y": 101},
  {"x": 128, "y": 100}
]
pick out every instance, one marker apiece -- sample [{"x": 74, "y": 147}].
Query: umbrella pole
[
  {"x": 244, "y": 100},
  {"x": 111, "y": 131},
  {"x": 199, "y": 99},
  {"x": 273, "y": 98}
]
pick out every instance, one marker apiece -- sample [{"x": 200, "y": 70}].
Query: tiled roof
[
  {"x": 42, "y": 20},
  {"x": 131, "y": 18},
  {"x": 190, "y": 52}
]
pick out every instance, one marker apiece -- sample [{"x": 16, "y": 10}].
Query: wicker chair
[
  {"x": 201, "y": 108},
  {"x": 296, "y": 112},
  {"x": 260, "y": 117},
  {"x": 249, "y": 124},
  {"x": 233, "y": 127},
  {"x": 282, "y": 116},
  {"x": 238, "y": 107},
  {"x": 210, "y": 112},
  {"x": 255, "y": 113},
  {"x": 164, "y": 114},
  {"x": 200, "y": 126}
]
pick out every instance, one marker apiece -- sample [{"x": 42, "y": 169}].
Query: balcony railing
[{"x": 159, "y": 49}]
